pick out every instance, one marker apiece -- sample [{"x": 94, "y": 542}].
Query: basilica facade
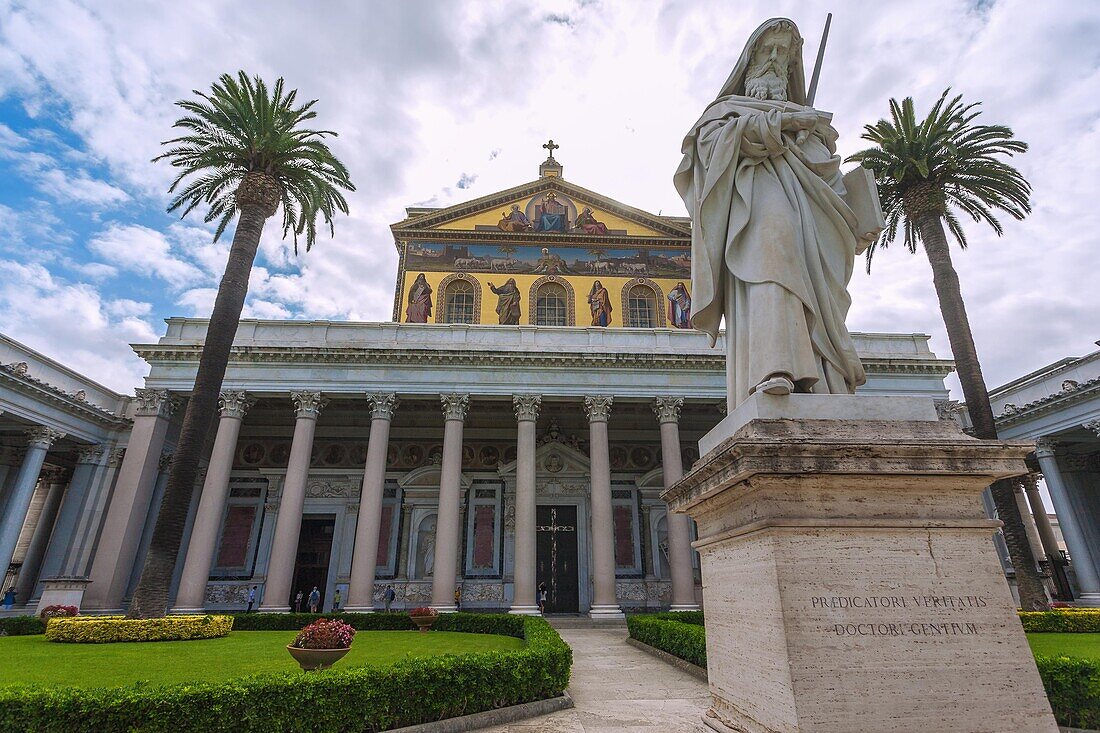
[{"x": 510, "y": 429}]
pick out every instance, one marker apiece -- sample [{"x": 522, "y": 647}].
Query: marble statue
[{"x": 773, "y": 237}]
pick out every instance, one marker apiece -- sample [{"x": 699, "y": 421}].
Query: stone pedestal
[
  {"x": 849, "y": 581},
  {"x": 62, "y": 592}
]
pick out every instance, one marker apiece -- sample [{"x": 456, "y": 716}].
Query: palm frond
[
  {"x": 946, "y": 158},
  {"x": 243, "y": 126}
]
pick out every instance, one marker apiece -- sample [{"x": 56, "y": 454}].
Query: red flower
[{"x": 325, "y": 634}]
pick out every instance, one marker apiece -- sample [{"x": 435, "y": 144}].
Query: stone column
[
  {"x": 523, "y": 598},
  {"x": 40, "y": 538},
  {"x": 1028, "y": 520},
  {"x": 121, "y": 533},
  {"x": 1039, "y": 512},
  {"x": 667, "y": 410},
  {"x": 191, "y": 596},
  {"x": 73, "y": 506},
  {"x": 78, "y": 560},
  {"x": 604, "y": 603},
  {"x": 364, "y": 558},
  {"x": 15, "y": 512},
  {"x": 1084, "y": 565},
  {"x": 284, "y": 547},
  {"x": 447, "y": 530}
]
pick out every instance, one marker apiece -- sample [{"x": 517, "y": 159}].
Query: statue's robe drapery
[{"x": 773, "y": 244}]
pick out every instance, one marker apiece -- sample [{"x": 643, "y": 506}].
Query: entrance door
[
  {"x": 314, "y": 552},
  {"x": 556, "y": 557}
]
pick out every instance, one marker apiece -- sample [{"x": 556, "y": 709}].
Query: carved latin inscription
[{"x": 891, "y": 625}]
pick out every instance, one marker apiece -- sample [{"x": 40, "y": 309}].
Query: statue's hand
[{"x": 799, "y": 121}]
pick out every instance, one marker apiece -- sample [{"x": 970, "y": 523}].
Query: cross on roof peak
[{"x": 551, "y": 146}]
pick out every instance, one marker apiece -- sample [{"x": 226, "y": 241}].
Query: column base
[
  {"x": 275, "y": 609},
  {"x": 606, "y": 613},
  {"x": 1090, "y": 600},
  {"x": 357, "y": 609},
  {"x": 685, "y": 607},
  {"x": 525, "y": 610},
  {"x": 445, "y": 609}
]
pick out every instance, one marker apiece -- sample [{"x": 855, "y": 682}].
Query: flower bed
[
  {"x": 416, "y": 690},
  {"x": 680, "y": 633},
  {"x": 110, "y": 629},
  {"x": 325, "y": 634},
  {"x": 57, "y": 611}
]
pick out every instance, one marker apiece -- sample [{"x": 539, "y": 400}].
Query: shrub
[
  {"x": 108, "y": 629},
  {"x": 22, "y": 626},
  {"x": 1073, "y": 688},
  {"x": 57, "y": 611},
  {"x": 413, "y": 691},
  {"x": 681, "y": 634},
  {"x": 325, "y": 634},
  {"x": 470, "y": 623},
  {"x": 1076, "y": 620}
]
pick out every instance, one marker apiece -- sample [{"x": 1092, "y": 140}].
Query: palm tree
[
  {"x": 244, "y": 151},
  {"x": 927, "y": 172}
]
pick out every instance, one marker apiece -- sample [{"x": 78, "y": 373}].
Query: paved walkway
[{"x": 616, "y": 687}]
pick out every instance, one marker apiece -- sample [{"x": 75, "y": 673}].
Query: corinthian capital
[
  {"x": 234, "y": 403},
  {"x": 89, "y": 453},
  {"x": 1093, "y": 426},
  {"x": 308, "y": 404},
  {"x": 43, "y": 437},
  {"x": 667, "y": 409},
  {"x": 455, "y": 405},
  {"x": 1046, "y": 447},
  {"x": 527, "y": 406},
  {"x": 598, "y": 407},
  {"x": 154, "y": 402},
  {"x": 382, "y": 405}
]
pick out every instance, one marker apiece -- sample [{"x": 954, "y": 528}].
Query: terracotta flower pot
[
  {"x": 424, "y": 622},
  {"x": 310, "y": 659}
]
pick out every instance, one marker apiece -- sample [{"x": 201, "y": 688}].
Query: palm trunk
[
  {"x": 151, "y": 597},
  {"x": 1033, "y": 594}
]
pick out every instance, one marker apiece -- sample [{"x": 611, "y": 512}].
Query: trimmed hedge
[
  {"x": 469, "y": 623},
  {"x": 111, "y": 629},
  {"x": 22, "y": 626},
  {"x": 1073, "y": 688},
  {"x": 1068, "y": 621},
  {"x": 416, "y": 690},
  {"x": 680, "y": 633}
]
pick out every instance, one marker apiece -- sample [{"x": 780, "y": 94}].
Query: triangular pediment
[
  {"x": 554, "y": 459},
  {"x": 563, "y": 205}
]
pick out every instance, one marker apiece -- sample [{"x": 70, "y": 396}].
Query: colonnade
[{"x": 455, "y": 407}]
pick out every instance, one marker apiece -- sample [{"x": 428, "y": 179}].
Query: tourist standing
[
  {"x": 542, "y": 598},
  {"x": 336, "y": 601},
  {"x": 251, "y": 599},
  {"x": 314, "y": 599},
  {"x": 298, "y": 602},
  {"x": 458, "y": 598},
  {"x": 389, "y": 597}
]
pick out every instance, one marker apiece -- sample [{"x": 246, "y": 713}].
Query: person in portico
[{"x": 773, "y": 241}]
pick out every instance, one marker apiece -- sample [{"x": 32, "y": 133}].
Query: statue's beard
[{"x": 767, "y": 85}]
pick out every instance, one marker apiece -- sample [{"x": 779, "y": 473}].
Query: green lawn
[
  {"x": 33, "y": 660},
  {"x": 1068, "y": 645}
]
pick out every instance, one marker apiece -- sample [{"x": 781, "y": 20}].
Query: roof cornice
[
  {"x": 12, "y": 377},
  {"x": 1071, "y": 394}
]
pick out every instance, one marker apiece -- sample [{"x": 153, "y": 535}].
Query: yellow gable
[{"x": 531, "y": 206}]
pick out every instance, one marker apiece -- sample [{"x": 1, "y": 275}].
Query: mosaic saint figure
[
  {"x": 548, "y": 263},
  {"x": 587, "y": 223},
  {"x": 419, "y": 309},
  {"x": 508, "y": 298},
  {"x": 773, "y": 241},
  {"x": 600, "y": 303},
  {"x": 679, "y": 307},
  {"x": 514, "y": 221}
]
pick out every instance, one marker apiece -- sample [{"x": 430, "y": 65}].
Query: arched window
[
  {"x": 551, "y": 305},
  {"x": 459, "y": 300},
  {"x": 642, "y": 307}
]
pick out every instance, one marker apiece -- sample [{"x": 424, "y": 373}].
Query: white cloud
[
  {"x": 64, "y": 185},
  {"x": 145, "y": 251},
  {"x": 74, "y": 324}
]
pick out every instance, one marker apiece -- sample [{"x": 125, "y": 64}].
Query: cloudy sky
[{"x": 438, "y": 102}]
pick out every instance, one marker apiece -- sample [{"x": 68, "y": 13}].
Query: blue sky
[{"x": 439, "y": 102}]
